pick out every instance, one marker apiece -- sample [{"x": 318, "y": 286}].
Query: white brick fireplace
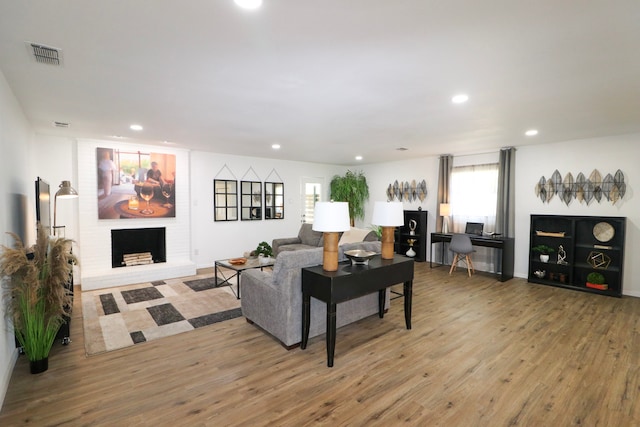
[{"x": 94, "y": 242}]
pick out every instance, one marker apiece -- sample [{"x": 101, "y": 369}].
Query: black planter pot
[{"x": 39, "y": 366}]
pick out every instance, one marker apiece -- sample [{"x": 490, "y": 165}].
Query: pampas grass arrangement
[{"x": 37, "y": 297}]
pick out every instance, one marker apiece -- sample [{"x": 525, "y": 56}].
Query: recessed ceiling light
[
  {"x": 460, "y": 98},
  {"x": 275, "y": 146},
  {"x": 531, "y": 132},
  {"x": 249, "y": 4},
  {"x": 135, "y": 127},
  {"x": 358, "y": 157}
]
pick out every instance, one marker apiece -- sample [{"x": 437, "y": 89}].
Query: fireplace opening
[{"x": 137, "y": 246}]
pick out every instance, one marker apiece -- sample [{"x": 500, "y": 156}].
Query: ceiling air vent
[
  {"x": 46, "y": 54},
  {"x": 61, "y": 124}
]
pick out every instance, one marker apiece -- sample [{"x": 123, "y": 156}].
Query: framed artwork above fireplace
[{"x": 135, "y": 184}]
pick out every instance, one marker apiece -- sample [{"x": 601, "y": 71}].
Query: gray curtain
[
  {"x": 444, "y": 180},
  {"x": 505, "y": 210}
]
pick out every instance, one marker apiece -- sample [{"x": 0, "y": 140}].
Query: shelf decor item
[
  {"x": 595, "y": 280},
  {"x": 562, "y": 256},
  {"x": 38, "y": 297},
  {"x": 603, "y": 231},
  {"x": 599, "y": 260},
  {"x": 544, "y": 252},
  {"x": 411, "y": 253}
]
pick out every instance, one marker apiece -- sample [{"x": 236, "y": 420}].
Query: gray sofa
[
  {"x": 306, "y": 239},
  {"x": 273, "y": 299}
]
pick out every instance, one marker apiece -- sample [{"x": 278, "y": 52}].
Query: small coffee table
[{"x": 237, "y": 270}]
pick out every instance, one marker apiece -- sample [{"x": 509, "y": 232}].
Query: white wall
[
  {"x": 95, "y": 234},
  {"x": 213, "y": 240},
  {"x": 605, "y": 154},
  {"x": 56, "y": 161},
  {"x": 17, "y": 194}
]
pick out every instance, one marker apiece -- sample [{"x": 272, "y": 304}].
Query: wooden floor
[{"x": 481, "y": 353}]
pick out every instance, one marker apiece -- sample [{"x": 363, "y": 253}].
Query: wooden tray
[{"x": 550, "y": 233}]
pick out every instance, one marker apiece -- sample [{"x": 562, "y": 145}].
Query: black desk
[
  {"x": 352, "y": 281},
  {"x": 504, "y": 244}
]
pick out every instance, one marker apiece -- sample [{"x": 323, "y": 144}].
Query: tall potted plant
[
  {"x": 351, "y": 188},
  {"x": 37, "y": 295}
]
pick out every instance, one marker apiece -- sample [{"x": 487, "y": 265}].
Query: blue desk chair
[{"x": 461, "y": 247}]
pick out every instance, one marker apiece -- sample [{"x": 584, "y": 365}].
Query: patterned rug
[{"x": 120, "y": 317}]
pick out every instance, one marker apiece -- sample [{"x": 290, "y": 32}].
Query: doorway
[{"x": 311, "y": 192}]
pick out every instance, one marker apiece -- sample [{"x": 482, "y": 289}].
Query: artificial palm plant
[
  {"x": 37, "y": 297},
  {"x": 351, "y": 188}
]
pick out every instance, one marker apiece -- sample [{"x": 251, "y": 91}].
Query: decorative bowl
[
  {"x": 237, "y": 261},
  {"x": 359, "y": 256}
]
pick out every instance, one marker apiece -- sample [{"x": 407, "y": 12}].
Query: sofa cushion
[
  {"x": 295, "y": 247},
  {"x": 353, "y": 235},
  {"x": 309, "y": 237},
  {"x": 293, "y": 261}
]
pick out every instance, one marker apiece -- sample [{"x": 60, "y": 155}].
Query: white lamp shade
[
  {"x": 445, "y": 209},
  {"x": 388, "y": 214},
  {"x": 331, "y": 216}
]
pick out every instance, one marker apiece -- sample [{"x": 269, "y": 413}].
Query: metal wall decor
[
  {"x": 611, "y": 187},
  {"x": 407, "y": 191}
]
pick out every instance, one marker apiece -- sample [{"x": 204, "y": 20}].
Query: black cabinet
[
  {"x": 419, "y": 238},
  {"x": 581, "y": 245}
]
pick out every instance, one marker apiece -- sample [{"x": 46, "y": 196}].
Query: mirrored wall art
[
  {"x": 273, "y": 200},
  {"x": 251, "y": 200},
  {"x": 225, "y": 200}
]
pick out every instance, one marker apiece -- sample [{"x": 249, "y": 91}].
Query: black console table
[
  {"x": 352, "y": 281},
  {"x": 504, "y": 244}
]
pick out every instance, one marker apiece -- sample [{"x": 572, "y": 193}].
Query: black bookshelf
[
  {"x": 590, "y": 244},
  {"x": 403, "y": 234}
]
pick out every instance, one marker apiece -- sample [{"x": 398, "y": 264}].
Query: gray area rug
[{"x": 120, "y": 317}]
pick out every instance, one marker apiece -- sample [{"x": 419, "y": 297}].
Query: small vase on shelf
[{"x": 411, "y": 253}]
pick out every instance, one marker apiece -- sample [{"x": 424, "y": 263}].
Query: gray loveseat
[
  {"x": 273, "y": 299},
  {"x": 306, "y": 239}
]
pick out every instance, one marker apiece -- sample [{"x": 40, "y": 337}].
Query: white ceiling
[{"x": 328, "y": 79}]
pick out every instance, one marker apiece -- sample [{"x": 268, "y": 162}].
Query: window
[{"x": 474, "y": 195}]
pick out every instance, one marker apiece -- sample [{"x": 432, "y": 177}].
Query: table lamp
[
  {"x": 331, "y": 218},
  {"x": 388, "y": 215},
  {"x": 66, "y": 191},
  {"x": 445, "y": 211}
]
